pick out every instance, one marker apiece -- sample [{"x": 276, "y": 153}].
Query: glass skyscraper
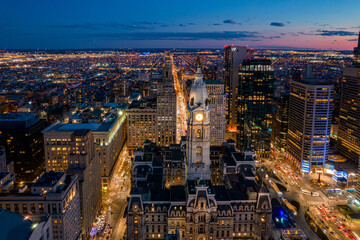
[{"x": 254, "y": 103}]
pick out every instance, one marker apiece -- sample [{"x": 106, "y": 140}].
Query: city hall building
[{"x": 196, "y": 191}]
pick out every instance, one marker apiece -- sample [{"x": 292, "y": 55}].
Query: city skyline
[{"x": 160, "y": 24}]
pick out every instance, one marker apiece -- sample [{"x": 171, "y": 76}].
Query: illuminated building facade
[
  {"x": 54, "y": 194},
  {"x": 142, "y": 122},
  {"x": 217, "y": 100},
  {"x": 233, "y": 57},
  {"x": 357, "y": 51},
  {"x": 280, "y": 123},
  {"x": 107, "y": 123},
  {"x": 84, "y": 163},
  {"x": 235, "y": 207},
  {"x": 349, "y": 125},
  {"x": 198, "y": 133},
  {"x": 310, "y": 114},
  {"x": 166, "y": 109},
  {"x": 254, "y": 105},
  {"x": 20, "y": 134}
]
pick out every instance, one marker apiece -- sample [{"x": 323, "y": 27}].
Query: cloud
[
  {"x": 277, "y": 24},
  {"x": 321, "y": 25},
  {"x": 274, "y": 37},
  {"x": 148, "y": 23},
  {"x": 140, "y": 25},
  {"x": 229, "y": 21},
  {"x": 335, "y": 33},
  {"x": 225, "y": 35}
]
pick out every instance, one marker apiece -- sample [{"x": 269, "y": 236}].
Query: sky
[{"x": 80, "y": 24}]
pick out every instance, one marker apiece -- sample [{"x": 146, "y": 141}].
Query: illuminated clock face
[{"x": 199, "y": 117}]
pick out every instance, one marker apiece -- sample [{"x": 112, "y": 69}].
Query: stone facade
[{"x": 194, "y": 191}]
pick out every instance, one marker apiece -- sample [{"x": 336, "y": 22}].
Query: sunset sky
[{"x": 327, "y": 24}]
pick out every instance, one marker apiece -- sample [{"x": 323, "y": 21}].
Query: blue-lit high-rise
[{"x": 310, "y": 113}]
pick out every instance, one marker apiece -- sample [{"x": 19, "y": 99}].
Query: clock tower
[{"x": 198, "y": 133}]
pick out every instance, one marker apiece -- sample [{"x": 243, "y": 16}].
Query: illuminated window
[
  {"x": 198, "y": 133},
  {"x": 198, "y": 150}
]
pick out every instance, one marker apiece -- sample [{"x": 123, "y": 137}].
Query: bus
[
  {"x": 350, "y": 189},
  {"x": 336, "y": 190},
  {"x": 306, "y": 192}
]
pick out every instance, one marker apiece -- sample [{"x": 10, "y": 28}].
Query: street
[
  {"x": 313, "y": 200},
  {"x": 181, "y": 124},
  {"x": 111, "y": 222}
]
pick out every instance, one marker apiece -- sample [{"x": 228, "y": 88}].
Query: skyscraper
[
  {"x": 20, "y": 134},
  {"x": 254, "y": 105},
  {"x": 217, "y": 114},
  {"x": 280, "y": 123},
  {"x": 166, "y": 108},
  {"x": 357, "y": 51},
  {"x": 349, "y": 125},
  {"x": 233, "y": 57},
  {"x": 310, "y": 114}
]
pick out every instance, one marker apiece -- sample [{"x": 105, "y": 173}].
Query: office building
[
  {"x": 84, "y": 163},
  {"x": 107, "y": 123},
  {"x": 217, "y": 100},
  {"x": 349, "y": 121},
  {"x": 233, "y": 57},
  {"x": 280, "y": 123},
  {"x": 20, "y": 134},
  {"x": 254, "y": 106},
  {"x": 310, "y": 114},
  {"x": 357, "y": 51},
  {"x": 196, "y": 208},
  {"x": 349, "y": 124},
  {"x": 54, "y": 194},
  {"x": 166, "y": 109},
  {"x": 142, "y": 122}
]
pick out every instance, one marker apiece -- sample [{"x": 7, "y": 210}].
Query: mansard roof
[
  {"x": 177, "y": 194},
  {"x": 221, "y": 193}
]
